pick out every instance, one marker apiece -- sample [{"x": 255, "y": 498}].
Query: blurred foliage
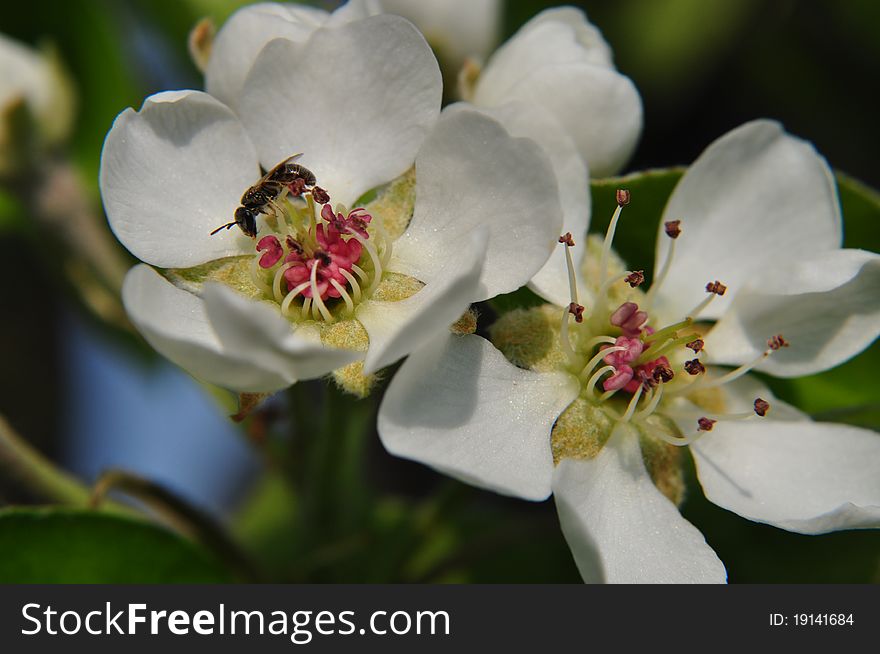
[
  {"x": 54, "y": 545},
  {"x": 352, "y": 512}
]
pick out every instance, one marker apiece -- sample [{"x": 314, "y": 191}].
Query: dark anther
[
  {"x": 673, "y": 228},
  {"x": 694, "y": 367},
  {"x": 716, "y": 287},
  {"x": 567, "y": 239},
  {"x": 663, "y": 374},
  {"x": 696, "y": 345},
  {"x": 323, "y": 257},
  {"x": 761, "y": 407},
  {"x": 705, "y": 424},
  {"x": 777, "y": 342},
  {"x": 623, "y": 197},
  {"x": 577, "y": 311},
  {"x": 635, "y": 278},
  {"x": 321, "y": 196}
]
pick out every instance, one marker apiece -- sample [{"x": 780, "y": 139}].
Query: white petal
[
  {"x": 802, "y": 476},
  {"x": 255, "y": 330},
  {"x": 551, "y": 39},
  {"x": 459, "y": 406},
  {"x": 573, "y": 179},
  {"x": 756, "y": 197},
  {"x": 457, "y": 29},
  {"x": 245, "y": 33},
  {"x": 173, "y": 172},
  {"x": 174, "y": 322},
  {"x": 358, "y": 103},
  {"x": 599, "y": 108},
  {"x": 470, "y": 172},
  {"x": 594, "y": 46},
  {"x": 826, "y": 305},
  {"x": 620, "y": 528},
  {"x": 398, "y": 328}
]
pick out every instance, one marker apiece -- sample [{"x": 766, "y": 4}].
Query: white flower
[
  {"x": 324, "y": 287},
  {"x": 35, "y": 80},
  {"x": 458, "y": 30},
  {"x": 758, "y": 210},
  {"x": 559, "y": 63}
]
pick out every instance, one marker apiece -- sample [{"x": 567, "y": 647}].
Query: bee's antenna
[{"x": 226, "y": 226}]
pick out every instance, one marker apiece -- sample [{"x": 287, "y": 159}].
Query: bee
[{"x": 261, "y": 198}]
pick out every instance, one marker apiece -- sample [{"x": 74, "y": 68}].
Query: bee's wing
[{"x": 279, "y": 166}]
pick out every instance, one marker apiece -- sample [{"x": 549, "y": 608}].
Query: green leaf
[{"x": 55, "y": 545}]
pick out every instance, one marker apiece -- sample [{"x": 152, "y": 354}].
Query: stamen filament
[
  {"x": 678, "y": 442},
  {"x": 317, "y": 302},
  {"x": 661, "y": 277},
  {"x": 306, "y": 308},
  {"x": 652, "y": 405},
  {"x": 572, "y": 280},
  {"x": 598, "y": 340},
  {"x": 383, "y": 240},
  {"x": 374, "y": 257},
  {"x": 564, "y": 341},
  {"x": 360, "y": 273},
  {"x": 591, "y": 384},
  {"x": 355, "y": 287},
  {"x": 630, "y": 409},
  {"x": 276, "y": 283},
  {"x": 285, "y": 304},
  {"x": 349, "y": 305},
  {"x": 606, "y": 246},
  {"x": 732, "y": 375},
  {"x": 703, "y": 383},
  {"x": 601, "y": 354},
  {"x": 693, "y": 313}
]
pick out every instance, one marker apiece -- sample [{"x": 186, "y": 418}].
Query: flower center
[
  {"x": 318, "y": 262},
  {"x": 619, "y": 347}
]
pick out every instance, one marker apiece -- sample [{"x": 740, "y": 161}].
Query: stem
[
  {"x": 25, "y": 466},
  {"x": 178, "y": 514}
]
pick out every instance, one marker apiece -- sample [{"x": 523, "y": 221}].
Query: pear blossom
[
  {"x": 598, "y": 408},
  {"x": 559, "y": 62},
  {"x": 329, "y": 282},
  {"x": 35, "y": 82}
]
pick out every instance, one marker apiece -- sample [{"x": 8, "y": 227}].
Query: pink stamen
[
  {"x": 272, "y": 251},
  {"x": 629, "y": 319}
]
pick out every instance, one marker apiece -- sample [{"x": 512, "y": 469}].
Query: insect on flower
[{"x": 263, "y": 197}]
